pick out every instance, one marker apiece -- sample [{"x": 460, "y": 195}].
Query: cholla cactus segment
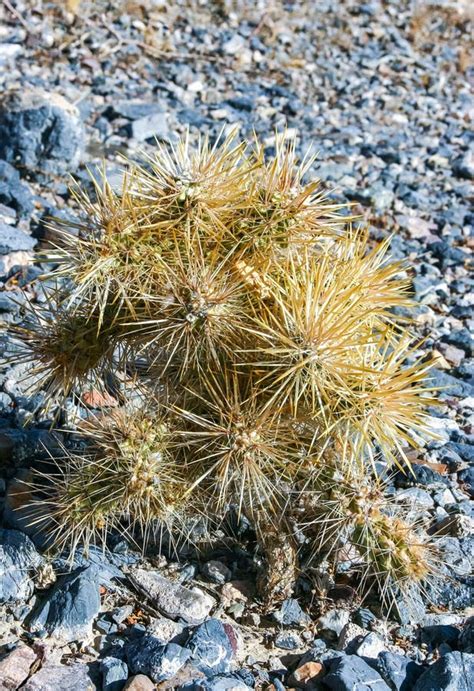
[
  {"x": 194, "y": 190},
  {"x": 131, "y": 471},
  {"x": 243, "y": 451},
  {"x": 69, "y": 350},
  {"x": 196, "y": 314},
  {"x": 233, "y": 290},
  {"x": 341, "y": 502}
]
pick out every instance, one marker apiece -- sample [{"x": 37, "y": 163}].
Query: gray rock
[
  {"x": 69, "y": 608},
  {"x": 147, "y": 655},
  {"x": 371, "y": 646},
  {"x": 463, "y": 167},
  {"x": 288, "y": 640},
  {"x": 334, "y": 621},
  {"x": 14, "y": 194},
  {"x": 213, "y": 646},
  {"x": 291, "y": 614},
  {"x": 216, "y": 571},
  {"x": 220, "y": 682},
  {"x": 416, "y": 496},
  {"x": 114, "y": 673},
  {"x": 466, "y": 639},
  {"x": 134, "y": 110},
  {"x": 150, "y": 126},
  {"x": 399, "y": 672},
  {"x": 14, "y": 240},
  {"x": 40, "y": 130},
  {"x": 53, "y": 677},
  {"x": 452, "y": 672},
  {"x": 351, "y": 673},
  {"x": 172, "y": 599},
  {"x": 18, "y": 557}
]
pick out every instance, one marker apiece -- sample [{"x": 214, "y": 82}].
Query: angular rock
[
  {"x": 147, "y": 655},
  {"x": 70, "y": 607},
  {"x": 14, "y": 240},
  {"x": 173, "y": 600},
  {"x": 213, "y": 646},
  {"x": 466, "y": 639},
  {"x": 333, "y": 621},
  {"x": 351, "y": 673},
  {"x": 134, "y": 110},
  {"x": 350, "y": 637},
  {"x": 288, "y": 640},
  {"x": 291, "y": 614},
  {"x": 220, "y": 682},
  {"x": 217, "y": 572},
  {"x": 114, "y": 673},
  {"x": 18, "y": 556},
  {"x": 52, "y": 677},
  {"x": 150, "y": 126},
  {"x": 15, "y": 667},
  {"x": 14, "y": 194},
  {"x": 452, "y": 672},
  {"x": 139, "y": 683},
  {"x": 371, "y": 646},
  {"x": 307, "y": 675},
  {"x": 399, "y": 672},
  {"x": 40, "y": 130}
]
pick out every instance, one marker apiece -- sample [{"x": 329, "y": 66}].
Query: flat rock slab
[
  {"x": 61, "y": 678},
  {"x": 70, "y": 607},
  {"x": 171, "y": 599},
  {"x": 15, "y": 667},
  {"x": 18, "y": 556}
]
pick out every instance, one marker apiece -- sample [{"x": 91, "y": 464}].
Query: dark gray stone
[
  {"x": 14, "y": 240},
  {"x": 466, "y": 451},
  {"x": 291, "y": 614},
  {"x": 114, "y": 674},
  {"x": 147, "y": 655},
  {"x": 288, "y": 640},
  {"x": 437, "y": 634},
  {"x": 451, "y": 386},
  {"x": 40, "y": 130},
  {"x": 398, "y": 671},
  {"x": 13, "y": 193},
  {"x": 216, "y": 572},
  {"x": 419, "y": 474},
  {"x": 351, "y": 673},
  {"x": 463, "y": 167},
  {"x": 220, "y": 682},
  {"x": 213, "y": 646},
  {"x": 18, "y": 556},
  {"x": 452, "y": 672},
  {"x": 69, "y": 608},
  {"x": 149, "y": 127},
  {"x": 466, "y": 639},
  {"x": 135, "y": 110}
]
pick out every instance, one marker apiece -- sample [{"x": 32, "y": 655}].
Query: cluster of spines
[{"x": 236, "y": 297}]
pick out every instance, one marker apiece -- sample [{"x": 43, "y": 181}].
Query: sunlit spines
[
  {"x": 193, "y": 189},
  {"x": 68, "y": 349},
  {"x": 242, "y": 451},
  {"x": 196, "y": 314}
]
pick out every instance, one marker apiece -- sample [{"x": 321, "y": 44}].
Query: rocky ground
[{"x": 381, "y": 89}]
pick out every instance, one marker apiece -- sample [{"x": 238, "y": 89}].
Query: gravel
[{"x": 381, "y": 90}]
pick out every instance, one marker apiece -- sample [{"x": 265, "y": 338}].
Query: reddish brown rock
[
  {"x": 15, "y": 667},
  {"x": 139, "y": 683}
]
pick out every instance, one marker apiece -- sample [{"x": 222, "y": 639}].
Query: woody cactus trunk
[{"x": 249, "y": 327}]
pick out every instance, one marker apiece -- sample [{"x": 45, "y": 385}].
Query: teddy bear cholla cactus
[{"x": 257, "y": 326}]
